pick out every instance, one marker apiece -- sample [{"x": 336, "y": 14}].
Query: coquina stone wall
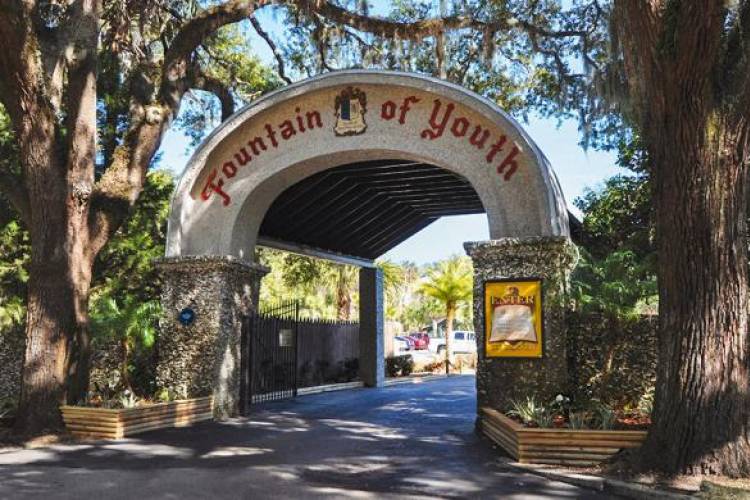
[
  {"x": 12, "y": 345},
  {"x": 105, "y": 363},
  {"x": 611, "y": 361},
  {"x": 203, "y": 358},
  {"x": 500, "y": 380}
]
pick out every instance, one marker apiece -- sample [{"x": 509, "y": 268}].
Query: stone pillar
[
  {"x": 371, "y": 327},
  {"x": 203, "y": 358},
  {"x": 500, "y": 380}
]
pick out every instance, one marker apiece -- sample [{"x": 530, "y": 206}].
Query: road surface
[{"x": 413, "y": 440}]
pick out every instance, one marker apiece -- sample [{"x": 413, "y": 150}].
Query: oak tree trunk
[
  {"x": 702, "y": 408},
  {"x": 55, "y": 367}
]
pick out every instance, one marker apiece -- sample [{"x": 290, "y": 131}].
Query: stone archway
[{"x": 349, "y": 118}]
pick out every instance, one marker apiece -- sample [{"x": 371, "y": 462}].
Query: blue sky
[{"x": 576, "y": 169}]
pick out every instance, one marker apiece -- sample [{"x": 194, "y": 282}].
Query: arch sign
[
  {"x": 348, "y": 118},
  {"x": 351, "y": 116}
]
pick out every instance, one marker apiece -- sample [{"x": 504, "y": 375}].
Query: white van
[{"x": 463, "y": 342}]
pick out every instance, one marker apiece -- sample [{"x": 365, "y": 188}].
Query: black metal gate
[{"x": 269, "y": 354}]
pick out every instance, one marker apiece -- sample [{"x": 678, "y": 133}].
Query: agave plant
[
  {"x": 606, "y": 417},
  {"x": 528, "y": 410},
  {"x": 128, "y": 399}
]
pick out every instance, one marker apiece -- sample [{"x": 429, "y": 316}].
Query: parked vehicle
[
  {"x": 421, "y": 340},
  {"x": 412, "y": 344},
  {"x": 401, "y": 344},
  {"x": 464, "y": 342}
]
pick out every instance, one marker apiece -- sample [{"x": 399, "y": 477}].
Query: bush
[
  {"x": 407, "y": 366},
  {"x": 399, "y": 366},
  {"x": 435, "y": 366}
]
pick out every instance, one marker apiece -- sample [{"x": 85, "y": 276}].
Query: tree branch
[
  {"x": 80, "y": 98},
  {"x": 191, "y": 35},
  {"x": 425, "y": 27},
  {"x": 18, "y": 61},
  {"x": 122, "y": 182},
  {"x": 202, "y": 81},
  {"x": 118, "y": 188},
  {"x": 276, "y": 53},
  {"x": 319, "y": 35}
]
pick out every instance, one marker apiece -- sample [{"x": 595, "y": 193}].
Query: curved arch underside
[
  {"x": 355, "y": 162},
  {"x": 367, "y": 208}
]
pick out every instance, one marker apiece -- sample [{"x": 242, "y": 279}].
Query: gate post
[
  {"x": 371, "y": 327},
  {"x": 500, "y": 380},
  {"x": 201, "y": 357}
]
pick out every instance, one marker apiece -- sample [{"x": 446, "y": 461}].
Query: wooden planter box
[
  {"x": 578, "y": 447},
  {"x": 101, "y": 423}
]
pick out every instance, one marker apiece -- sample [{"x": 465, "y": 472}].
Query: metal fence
[
  {"x": 269, "y": 354},
  {"x": 328, "y": 352},
  {"x": 281, "y": 352}
]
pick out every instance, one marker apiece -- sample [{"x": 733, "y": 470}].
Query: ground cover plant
[{"x": 561, "y": 413}]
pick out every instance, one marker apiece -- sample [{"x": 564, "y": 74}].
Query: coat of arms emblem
[{"x": 351, "y": 106}]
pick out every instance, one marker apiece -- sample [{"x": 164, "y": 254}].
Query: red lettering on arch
[
  {"x": 510, "y": 163},
  {"x": 215, "y": 187}
]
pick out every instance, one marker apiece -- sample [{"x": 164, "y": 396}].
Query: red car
[{"x": 421, "y": 341}]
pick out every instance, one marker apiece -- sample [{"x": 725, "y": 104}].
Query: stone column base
[
  {"x": 203, "y": 358},
  {"x": 502, "y": 380}
]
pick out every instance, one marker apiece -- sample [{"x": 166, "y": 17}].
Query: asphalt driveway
[{"x": 405, "y": 441}]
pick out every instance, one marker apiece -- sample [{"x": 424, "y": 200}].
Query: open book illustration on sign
[{"x": 513, "y": 319}]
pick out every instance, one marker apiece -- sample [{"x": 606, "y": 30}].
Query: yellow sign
[{"x": 513, "y": 319}]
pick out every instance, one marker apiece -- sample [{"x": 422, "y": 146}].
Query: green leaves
[
  {"x": 225, "y": 60},
  {"x": 619, "y": 216},
  {"x": 15, "y": 253},
  {"x": 450, "y": 281},
  {"x": 124, "y": 268},
  {"x": 328, "y": 289},
  {"x": 129, "y": 320},
  {"x": 616, "y": 275},
  {"x": 620, "y": 285}
]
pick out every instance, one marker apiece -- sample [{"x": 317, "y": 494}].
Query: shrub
[
  {"x": 407, "y": 366},
  {"x": 396, "y": 366},
  {"x": 351, "y": 369},
  {"x": 436, "y": 366}
]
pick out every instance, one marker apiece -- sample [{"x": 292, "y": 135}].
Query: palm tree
[
  {"x": 131, "y": 322},
  {"x": 451, "y": 283},
  {"x": 345, "y": 279}
]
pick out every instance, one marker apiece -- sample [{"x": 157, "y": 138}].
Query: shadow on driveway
[{"x": 405, "y": 441}]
